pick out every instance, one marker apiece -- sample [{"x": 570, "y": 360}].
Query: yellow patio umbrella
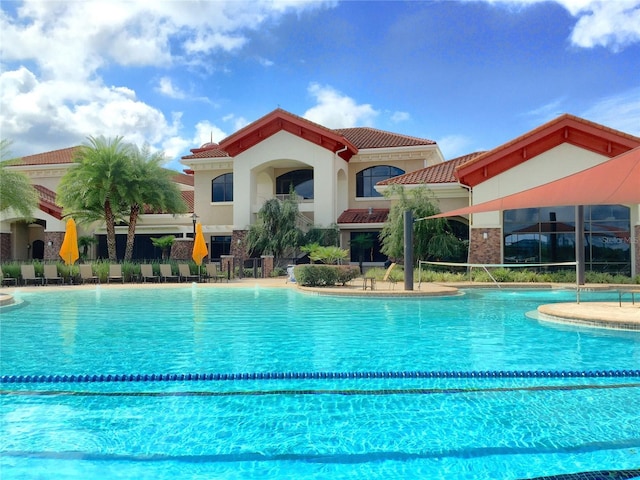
[
  {"x": 199, "y": 247},
  {"x": 69, "y": 249}
]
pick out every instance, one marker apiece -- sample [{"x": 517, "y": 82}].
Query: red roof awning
[{"x": 616, "y": 181}]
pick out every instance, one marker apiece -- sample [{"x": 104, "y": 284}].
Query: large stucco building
[{"x": 338, "y": 176}]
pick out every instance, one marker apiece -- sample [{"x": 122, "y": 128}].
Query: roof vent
[{"x": 370, "y": 210}]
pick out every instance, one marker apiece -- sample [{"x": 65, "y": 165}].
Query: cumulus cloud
[
  {"x": 398, "y": 117},
  {"x": 614, "y": 24},
  {"x": 336, "y": 110},
  {"x": 54, "y": 54}
]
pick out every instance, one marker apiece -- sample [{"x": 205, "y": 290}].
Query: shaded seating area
[
  {"x": 146, "y": 273},
  {"x": 166, "y": 274},
  {"x": 115, "y": 274},
  {"x": 51, "y": 275},
  {"x": 7, "y": 280},
  {"x": 87, "y": 275},
  {"x": 28, "y": 274},
  {"x": 212, "y": 272},
  {"x": 185, "y": 273}
]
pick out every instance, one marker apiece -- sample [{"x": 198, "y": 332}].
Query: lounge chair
[
  {"x": 115, "y": 273},
  {"x": 388, "y": 278},
  {"x": 214, "y": 273},
  {"x": 51, "y": 275},
  {"x": 185, "y": 273},
  {"x": 166, "y": 274},
  {"x": 86, "y": 274},
  {"x": 7, "y": 280},
  {"x": 146, "y": 273},
  {"x": 28, "y": 274}
]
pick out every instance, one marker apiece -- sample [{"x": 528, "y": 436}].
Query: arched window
[
  {"x": 300, "y": 180},
  {"x": 367, "y": 179},
  {"x": 222, "y": 188}
]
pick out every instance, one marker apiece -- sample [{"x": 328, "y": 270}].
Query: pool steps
[{"x": 175, "y": 377}]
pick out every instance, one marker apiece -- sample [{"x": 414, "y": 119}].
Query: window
[
  {"x": 366, "y": 179},
  {"x": 222, "y": 188},
  {"x": 220, "y": 245},
  {"x": 300, "y": 180},
  {"x": 547, "y": 235}
]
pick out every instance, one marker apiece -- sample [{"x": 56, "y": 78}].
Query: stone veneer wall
[
  {"x": 238, "y": 244},
  {"x": 636, "y": 246},
  {"x": 483, "y": 250},
  {"x": 51, "y": 252},
  {"x": 5, "y": 246},
  {"x": 182, "y": 249},
  {"x": 267, "y": 265}
]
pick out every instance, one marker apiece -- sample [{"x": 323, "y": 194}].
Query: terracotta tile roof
[
  {"x": 440, "y": 173},
  {"x": 187, "y": 197},
  {"x": 362, "y": 215},
  {"x": 64, "y": 155},
  {"x": 207, "y": 153},
  {"x": 365, "y": 137},
  {"x": 48, "y": 201},
  {"x": 182, "y": 178}
]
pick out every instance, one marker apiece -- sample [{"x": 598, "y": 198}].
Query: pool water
[{"x": 310, "y": 428}]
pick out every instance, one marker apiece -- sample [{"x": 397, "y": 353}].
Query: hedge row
[{"x": 317, "y": 275}]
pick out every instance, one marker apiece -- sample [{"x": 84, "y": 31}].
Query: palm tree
[
  {"x": 163, "y": 243},
  {"x": 150, "y": 186},
  {"x": 97, "y": 188},
  {"x": 16, "y": 191}
]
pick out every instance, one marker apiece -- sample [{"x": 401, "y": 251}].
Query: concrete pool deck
[{"x": 617, "y": 315}]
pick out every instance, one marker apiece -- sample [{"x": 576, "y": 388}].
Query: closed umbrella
[
  {"x": 69, "y": 249},
  {"x": 199, "y": 247}
]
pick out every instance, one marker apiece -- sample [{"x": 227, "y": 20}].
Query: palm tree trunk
[
  {"x": 131, "y": 232},
  {"x": 111, "y": 231}
]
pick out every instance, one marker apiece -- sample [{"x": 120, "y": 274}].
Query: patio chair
[
  {"x": 146, "y": 272},
  {"x": 166, "y": 274},
  {"x": 185, "y": 273},
  {"x": 51, "y": 275},
  {"x": 388, "y": 278},
  {"x": 86, "y": 274},
  {"x": 214, "y": 273},
  {"x": 115, "y": 273},
  {"x": 7, "y": 280},
  {"x": 28, "y": 274}
]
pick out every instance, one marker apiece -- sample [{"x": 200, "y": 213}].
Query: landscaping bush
[{"x": 324, "y": 275}]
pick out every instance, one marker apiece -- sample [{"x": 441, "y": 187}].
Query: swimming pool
[{"x": 415, "y": 410}]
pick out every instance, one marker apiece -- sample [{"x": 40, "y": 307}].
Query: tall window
[
  {"x": 300, "y": 180},
  {"x": 542, "y": 235},
  {"x": 220, "y": 245},
  {"x": 222, "y": 188},
  {"x": 366, "y": 179}
]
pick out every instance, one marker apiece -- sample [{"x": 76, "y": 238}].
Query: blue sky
[{"x": 470, "y": 75}]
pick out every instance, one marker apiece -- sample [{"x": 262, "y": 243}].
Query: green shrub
[
  {"x": 324, "y": 275},
  {"x": 278, "y": 272},
  {"x": 11, "y": 269}
]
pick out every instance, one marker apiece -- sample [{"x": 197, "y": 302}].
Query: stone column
[
  {"x": 226, "y": 262},
  {"x": 267, "y": 265},
  {"x": 238, "y": 244},
  {"x": 636, "y": 248},
  {"x": 485, "y": 245},
  {"x": 181, "y": 249},
  {"x": 52, "y": 243},
  {"x": 5, "y": 247}
]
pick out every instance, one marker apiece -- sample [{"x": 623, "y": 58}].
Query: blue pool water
[{"x": 310, "y": 428}]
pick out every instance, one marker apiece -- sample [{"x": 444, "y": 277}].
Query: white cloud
[
  {"x": 398, "y": 117},
  {"x": 52, "y": 94},
  {"x": 166, "y": 87},
  {"x": 547, "y": 112},
  {"x": 621, "y": 112},
  {"x": 237, "y": 122},
  {"x": 614, "y": 24},
  {"x": 336, "y": 110},
  {"x": 207, "y": 132}
]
